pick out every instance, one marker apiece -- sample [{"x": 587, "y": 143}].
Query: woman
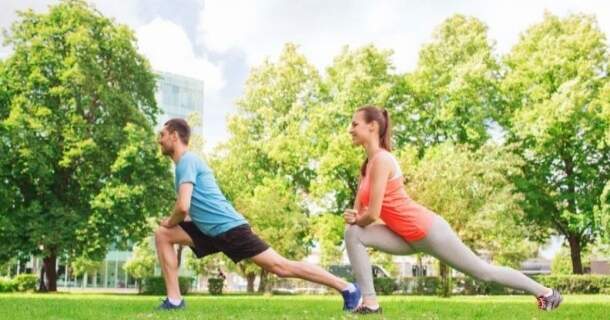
[{"x": 408, "y": 227}]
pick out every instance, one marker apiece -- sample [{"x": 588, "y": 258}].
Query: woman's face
[{"x": 360, "y": 130}]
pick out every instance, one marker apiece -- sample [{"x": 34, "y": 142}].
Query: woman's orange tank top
[{"x": 399, "y": 212}]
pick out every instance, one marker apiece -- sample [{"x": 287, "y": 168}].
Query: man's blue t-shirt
[{"x": 210, "y": 210}]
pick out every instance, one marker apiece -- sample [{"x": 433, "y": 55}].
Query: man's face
[{"x": 166, "y": 140}]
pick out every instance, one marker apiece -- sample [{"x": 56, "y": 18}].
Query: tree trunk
[
  {"x": 262, "y": 285},
  {"x": 574, "y": 240},
  {"x": 575, "y": 250},
  {"x": 445, "y": 273},
  {"x": 250, "y": 277},
  {"x": 42, "y": 287},
  {"x": 51, "y": 273}
]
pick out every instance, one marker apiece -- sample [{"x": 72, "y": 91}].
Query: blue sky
[{"x": 219, "y": 41}]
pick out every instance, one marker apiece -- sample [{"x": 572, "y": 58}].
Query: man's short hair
[{"x": 180, "y": 126}]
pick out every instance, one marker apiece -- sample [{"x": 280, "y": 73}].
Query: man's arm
[{"x": 181, "y": 209}]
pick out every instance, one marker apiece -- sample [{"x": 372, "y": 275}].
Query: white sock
[
  {"x": 350, "y": 287},
  {"x": 549, "y": 294},
  {"x": 175, "y": 302},
  {"x": 373, "y": 307}
]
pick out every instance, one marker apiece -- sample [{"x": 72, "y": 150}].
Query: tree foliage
[{"x": 79, "y": 158}]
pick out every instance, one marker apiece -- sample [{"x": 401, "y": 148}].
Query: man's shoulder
[{"x": 190, "y": 158}]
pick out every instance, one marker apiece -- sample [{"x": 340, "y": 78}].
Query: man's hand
[
  {"x": 165, "y": 223},
  {"x": 349, "y": 215}
]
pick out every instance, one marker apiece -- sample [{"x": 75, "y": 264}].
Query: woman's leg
[
  {"x": 377, "y": 236},
  {"x": 444, "y": 244}
]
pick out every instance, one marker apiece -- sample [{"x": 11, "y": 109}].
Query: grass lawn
[{"x": 100, "y": 306}]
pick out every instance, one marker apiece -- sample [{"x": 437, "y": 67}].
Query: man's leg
[
  {"x": 284, "y": 268},
  {"x": 165, "y": 238}
]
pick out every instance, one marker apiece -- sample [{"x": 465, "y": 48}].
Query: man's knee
[
  {"x": 161, "y": 235},
  {"x": 281, "y": 268}
]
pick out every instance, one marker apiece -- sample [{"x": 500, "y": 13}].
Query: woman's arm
[
  {"x": 357, "y": 199},
  {"x": 380, "y": 172}
]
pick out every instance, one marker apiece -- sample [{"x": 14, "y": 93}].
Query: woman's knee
[
  {"x": 352, "y": 234},
  {"x": 486, "y": 272}
]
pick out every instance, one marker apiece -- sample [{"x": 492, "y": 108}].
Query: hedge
[
  {"x": 215, "y": 285},
  {"x": 156, "y": 285}
]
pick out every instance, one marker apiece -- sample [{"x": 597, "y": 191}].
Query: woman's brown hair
[{"x": 374, "y": 113}]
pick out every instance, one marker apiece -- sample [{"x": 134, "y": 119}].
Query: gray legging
[{"x": 441, "y": 242}]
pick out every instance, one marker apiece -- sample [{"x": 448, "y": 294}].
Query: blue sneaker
[
  {"x": 351, "y": 299},
  {"x": 166, "y": 305}
]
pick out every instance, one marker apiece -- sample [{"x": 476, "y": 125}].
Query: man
[{"x": 215, "y": 226}]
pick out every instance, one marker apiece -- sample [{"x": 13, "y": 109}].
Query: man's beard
[{"x": 166, "y": 151}]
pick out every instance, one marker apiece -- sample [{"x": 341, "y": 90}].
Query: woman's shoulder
[{"x": 384, "y": 158}]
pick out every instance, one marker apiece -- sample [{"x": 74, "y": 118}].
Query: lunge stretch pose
[
  {"x": 215, "y": 226},
  {"x": 408, "y": 227}
]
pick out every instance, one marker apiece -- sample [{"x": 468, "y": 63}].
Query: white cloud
[
  {"x": 168, "y": 48},
  {"x": 122, "y": 11},
  {"x": 321, "y": 28},
  {"x": 261, "y": 29}
]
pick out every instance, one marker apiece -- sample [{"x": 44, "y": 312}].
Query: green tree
[
  {"x": 275, "y": 215},
  {"x": 356, "y": 77},
  {"x": 268, "y": 148},
  {"x": 603, "y": 209},
  {"x": 267, "y": 133},
  {"x": 454, "y": 89},
  {"x": 328, "y": 229},
  {"x": 142, "y": 262},
  {"x": 206, "y": 266},
  {"x": 555, "y": 85},
  {"x": 79, "y": 158},
  {"x": 82, "y": 266},
  {"x": 604, "y": 212},
  {"x": 562, "y": 262}
]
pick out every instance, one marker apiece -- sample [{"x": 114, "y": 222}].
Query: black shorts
[{"x": 238, "y": 243}]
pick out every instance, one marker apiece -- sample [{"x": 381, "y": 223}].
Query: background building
[{"x": 179, "y": 96}]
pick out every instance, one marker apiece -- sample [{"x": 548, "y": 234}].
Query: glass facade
[{"x": 178, "y": 97}]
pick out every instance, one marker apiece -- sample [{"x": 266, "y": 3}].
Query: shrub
[
  {"x": 385, "y": 285},
  {"x": 576, "y": 283},
  {"x": 459, "y": 285},
  {"x": 419, "y": 285},
  {"x": 25, "y": 282},
  {"x": 215, "y": 285},
  {"x": 156, "y": 285},
  {"x": 471, "y": 286},
  {"x": 427, "y": 285},
  {"x": 6, "y": 285}
]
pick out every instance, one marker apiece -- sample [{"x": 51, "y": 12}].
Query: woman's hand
[{"x": 349, "y": 215}]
